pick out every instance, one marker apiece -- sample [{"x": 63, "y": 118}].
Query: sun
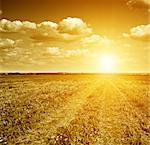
[{"x": 107, "y": 64}]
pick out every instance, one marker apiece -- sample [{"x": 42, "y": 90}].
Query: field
[{"x": 74, "y": 109}]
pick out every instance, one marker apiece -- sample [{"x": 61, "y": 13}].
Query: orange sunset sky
[{"x": 75, "y": 35}]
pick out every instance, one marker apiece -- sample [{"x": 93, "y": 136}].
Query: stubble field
[{"x": 74, "y": 110}]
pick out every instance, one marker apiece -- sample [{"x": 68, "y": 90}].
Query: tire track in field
[
  {"x": 136, "y": 125},
  {"x": 120, "y": 89},
  {"x": 137, "y": 95},
  {"x": 111, "y": 103},
  {"x": 84, "y": 128},
  {"x": 106, "y": 118},
  {"x": 108, "y": 112},
  {"x": 140, "y": 101},
  {"x": 101, "y": 118},
  {"x": 62, "y": 116},
  {"x": 123, "y": 122},
  {"x": 134, "y": 85},
  {"x": 34, "y": 105}
]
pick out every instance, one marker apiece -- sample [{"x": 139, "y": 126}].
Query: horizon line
[{"x": 67, "y": 72}]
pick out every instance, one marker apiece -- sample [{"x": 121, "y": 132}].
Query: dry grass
[{"x": 74, "y": 110}]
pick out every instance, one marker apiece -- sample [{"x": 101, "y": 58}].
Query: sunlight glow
[{"x": 107, "y": 64}]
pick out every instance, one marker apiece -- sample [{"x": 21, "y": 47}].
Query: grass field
[{"x": 75, "y": 109}]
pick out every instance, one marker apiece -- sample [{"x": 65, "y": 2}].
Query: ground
[{"x": 74, "y": 109}]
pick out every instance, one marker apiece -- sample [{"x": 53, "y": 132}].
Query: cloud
[
  {"x": 14, "y": 52},
  {"x": 54, "y": 50},
  {"x": 46, "y": 29},
  {"x": 26, "y": 25},
  {"x": 8, "y": 26},
  {"x": 139, "y": 4},
  {"x": 146, "y": 1},
  {"x": 76, "y": 52},
  {"x": 97, "y": 40},
  {"x": 16, "y": 26},
  {"x": 74, "y": 26},
  {"x": 91, "y": 40},
  {"x": 7, "y": 43},
  {"x": 68, "y": 29},
  {"x": 141, "y": 32}
]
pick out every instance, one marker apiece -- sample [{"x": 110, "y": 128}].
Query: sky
[{"x": 74, "y": 35}]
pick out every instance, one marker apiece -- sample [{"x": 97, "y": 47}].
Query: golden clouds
[
  {"x": 139, "y": 3},
  {"x": 67, "y": 29},
  {"x": 56, "y": 51},
  {"x": 16, "y": 26},
  {"x": 7, "y": 43},
  {"x": 8, "y": 26},
  {"x": 141, "y": 32},
  {"x": 97, "y": 41},
  {"x": 68, "y": 42},
  {"x": 74, "y": 26},
  {"x": 91, "y": 40}
]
